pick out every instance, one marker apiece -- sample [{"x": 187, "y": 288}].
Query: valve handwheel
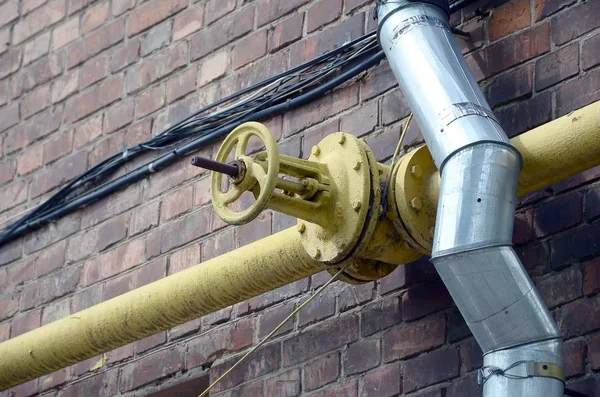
[{"x": 260, "y": 178}]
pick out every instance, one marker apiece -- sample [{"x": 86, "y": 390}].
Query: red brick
[
  {"x": 557, "y": 66},
  {"x": 9, "y": 305},
  {"x": 362, "y": 120},
  {"x": 119, "y": 115},
  {"x": 250, "y": 48},
  {"x": 4, "y": 40},
  {"x": 414, "y": 338},
  {"x": 262, "y": 69},
  {"x": 327, "y": 39},
  {"x": 181, "y": 84},
  {"x": 189, "y": 228},
  {"x": 476, "y": 29},
  {"x": 382, "y": 382},
  {"x": 320, "y": 372},
  {"x": 271, "y": 318},
  {"x": 322, "y": 338},
  {"x": 10, "y": 62},
  {"x": 151, "y": 368},
  {"x": 188, "y": 22},
  {"x": 510, "y": 18},
  {"x": 322, "y": 13},
  {"x": 184, "y": 258},
  {"x": 319, "y": 309},
  {"x": 21, "y": 272},
  {"x": 591, "y": 278},
  {"x": 96, "y": 42},
  {"x": 64, "y": 170},
  {"x": 78, "y": 5},
  {"x": 362, "y": 356},
  {"x": 94, "y": 17},
  {"x": 512, "y": 85},
  {"x": 286, "y": 384},
  {"x": 13, "y": 195},
  {"x": 544, "y": 8},
  {"x": 35, "y": 102},
  {"x": 103, "y": 384},
  {"x": 353, "y": 295},
  {"x": 216, "y": 9},
  {"x": 218, "y": 244},
  {"x": 36, "y": 48},
  {"x": 215, "y": 343},
  {"x": 574, "y": 353},
  {"x": 37, "y": 73},
  {"x": 394, "y": 107},
  {"x": 4, "y": 331},
  {"x": 52, "y": 233},
  {"x": 576, "y": 21},
  {"x": 269, "y": 11},
  {"x": 249, "y": 389},
  {"x": 329, "y": 105},
  {"x": 144, "y": 218},
  {"x": 152, "y": 13},
  {"x": 56, "y": 311},
  {"x": 111, "y": 232},
  {"x": 571, "y": 321},
  {"x": 510, "y": 52},
  {"x": 167, "y": 179},
  {"x": 30, "y": 160},
  {"x": 113, "y": 262},
  {"x": 264, "y": 361},
  {"x": 150, "y": 101},
  {"x": 93, "y": 70},
  {"x": 65, "y": 86},
  {"x": 38, "y": 20},
  {"x": 590, "y": 57},
  {"x": 254, "y": 231},
  {"x": 65, "y": 33},
  {"x": 150, "y": 342},
  {"x": 272, "y": 297},
  {"x": 429, "y": 369},
  {"x": 9, "y": 116},
  {"x": 471, "y": 355},
  {"x": 156, "y": 66},
  {"x": 559, "y": 214},
  {"x": 26, "y": 389},
  {"x": 177, "y": 203},
  {"x": 51, "y": 258},
  {"x": 89, "y": 130},
  {"x": 380, "y": 315},
  {"x": 156, "y": 38},
  {"x": 213, "y": 67},
  {"x": 9, "y": 12},
  {"x": 7, "y": 171},
  {"x": 54, "y": 379},
  {"x": 215, "y": 318},
  {"x": 561, "y": 288},
  {"x": 94, "y": 99},
  {"x": 594, "y": 352},
  {"x": 425, "y": 299},
  {"x": 525, "y": 115},
  {"x": 286, "y": 32},
  {"x": 11, "y": 252},
  {"x": 124, "y": 55},
  {"x": 577, "y": 93},
  {"x": 216, "y": 36},
  {"x": 120, "y": 6}
]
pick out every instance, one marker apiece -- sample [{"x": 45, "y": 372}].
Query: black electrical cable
[
  {"x": 169, "y": 158},
  {"x": 460, "y": 4}
]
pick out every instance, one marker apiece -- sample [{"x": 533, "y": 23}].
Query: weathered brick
[
  {"x": 4, "y": 332},
  {"x": 120, "y": 6},
  {"x": 577, "y": 93},
  {"x": 64, "y": 86},
  {"x": 52, "y": 233},
  {"x": 594, "y": 352},
  {"x": 124, "y": 55},
  {"x": 574, "y": 353},
  {"x": 94, "y": 17},
  {"x": 51, "y": 258},
  {"x": 380, "y": 315},
  {"x": 4, "y": 40},
  {"x": 590, "y": 57},
  {"x": 111, "y": 232},
  {"x": 13, "y": 195},
  {"x": 188, "y": 22},
  {"x": 36, "y": 48},
  {"x": 185, "y": 230},
  {"x": 563, "y": 212},
  {"x": 156, "y": 66},
  {"x": 181, "y": 84},
  {"x": 414, "y": 338},
  {"x": 258, "y": 229},
  {"x": 362, "y": 356},
  {"x": 149, "y": 101},
  {"x": 572, "y": 323},
  {"x": 430, "y": 368},
  {"x": 152, "y": 13},
  {"x": 362, "y": 120},
  {"x": 228, "y": 29},
  {"x": 264, "y": 361},
  {"x": 96, "y": 42},
  {"x": 271, "y": 318},
  {"x": 7, "y": 171},
  {"x": 557, "y": 66},
  {"x": 382, "y": 382},
  {"x": 471, "y": 355},
  {"x": 104, "y": 384},
  {"x": 286, "y": 384},
  {"x": 58, "y": 285},
  {"x": 94, "y": 99},
  {"x": 216, "y": 9},
  {"x": 476, "y": 29},
  {"x": 184, "y": 258},
  {"x": 424, "y": 299},
  {"x": 286, "y": 32},
  {"x": 250, "y": 389},
  {"x": 38, "y": 20},
  {"x": 213, "y": 67},
  {"x": 64, "y": 170},
  {"x": 25, "y": 323},
  {"x": 9, "y": 12},
  {"x": 354, "y": 295},
  {"x": 525, "y": 115},
  {"x": 250, "y": 48},
  {"x": 30, "y": 160},
  {"x": 587, "y": 386},
  {"x": 523, "y": 229},
  {"x": 591, "y": 278},
  {"x": 318, "y": 309},
  {"x": 512, "y": 85},
  {"x": 464, "y": 386},
  {"x": 508, "y": 19},
  {"x": 262, "y": 69},
  {"x": 113, "y": 262},
  {"x": 156, "y": 38},
  {"x": 583, "y": 178},
  {"x": 219, "y": 244},
  {"x": 10, "y": 62},
  {"x": 510, "y": 52},
  {"x": 561, "y": 288},
  {"x": 151, "y": 368},
  {"x": 37, "y": 73},
  {"x": 177, "y": 203},
  {"x": 575, "y": 245},
  {"x": 322, "y": 13},
  {"x": 320, "y": 339},
  {"x": 26, "y": 389},
  {"x": 322, "y": 371},
  {"x": 269, "y": 11},
  {"x": 544, "y": 8},
  {"x": 65, "y": 33},
  {"x": 35, "y": 102},
  {"x": 576, "y": 21},
  {"x": 21, "y": 272},
  {"x": 411, "y": 273},
  {"x": 93, "y": 70},
  {"x": 9, "y": 305},
  {"x": 329, "y": 105},
  {"x": 394, "y": 107},
  {"x": 327, "y": 39}
]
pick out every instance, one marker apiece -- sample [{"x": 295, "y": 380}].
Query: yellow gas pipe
[{"x": 552, "y": 152}]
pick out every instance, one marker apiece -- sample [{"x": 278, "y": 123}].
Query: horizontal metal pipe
[{"x": 249, "y": 271}]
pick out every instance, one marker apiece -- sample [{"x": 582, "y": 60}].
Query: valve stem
[{"x": 233, "y": 169}]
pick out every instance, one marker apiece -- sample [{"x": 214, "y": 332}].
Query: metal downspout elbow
[{"x": 479, "y": 168}]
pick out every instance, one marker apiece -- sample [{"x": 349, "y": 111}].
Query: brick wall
[{"x": 79, "y": 77}]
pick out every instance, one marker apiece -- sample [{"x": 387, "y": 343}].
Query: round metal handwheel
[{"x": 260, "y": 178}]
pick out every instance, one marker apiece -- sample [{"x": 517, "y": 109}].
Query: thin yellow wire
[
  {"x": 402, "y": 136},
  {"x": 266, "y": 338}
]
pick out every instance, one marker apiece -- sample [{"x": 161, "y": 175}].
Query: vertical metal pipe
[{"x": 480, "y": 170}]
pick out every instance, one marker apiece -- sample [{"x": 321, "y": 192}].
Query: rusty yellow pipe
[{"x": 272, "y": 262}]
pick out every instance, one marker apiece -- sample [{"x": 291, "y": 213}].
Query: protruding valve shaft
[{"x": 233, "y": 170}]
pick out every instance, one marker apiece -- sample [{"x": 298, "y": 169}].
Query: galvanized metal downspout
[{"x": 480, "y": 169}]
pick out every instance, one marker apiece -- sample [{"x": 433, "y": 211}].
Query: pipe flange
[
  {"x": 348, "y": 165},
  {"x": 414, "y": 210}
]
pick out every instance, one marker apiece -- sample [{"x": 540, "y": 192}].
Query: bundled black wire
[{"x": 272, "y": 96}]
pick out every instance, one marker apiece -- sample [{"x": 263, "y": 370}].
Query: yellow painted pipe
[{"x": 267, "y": 264}]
